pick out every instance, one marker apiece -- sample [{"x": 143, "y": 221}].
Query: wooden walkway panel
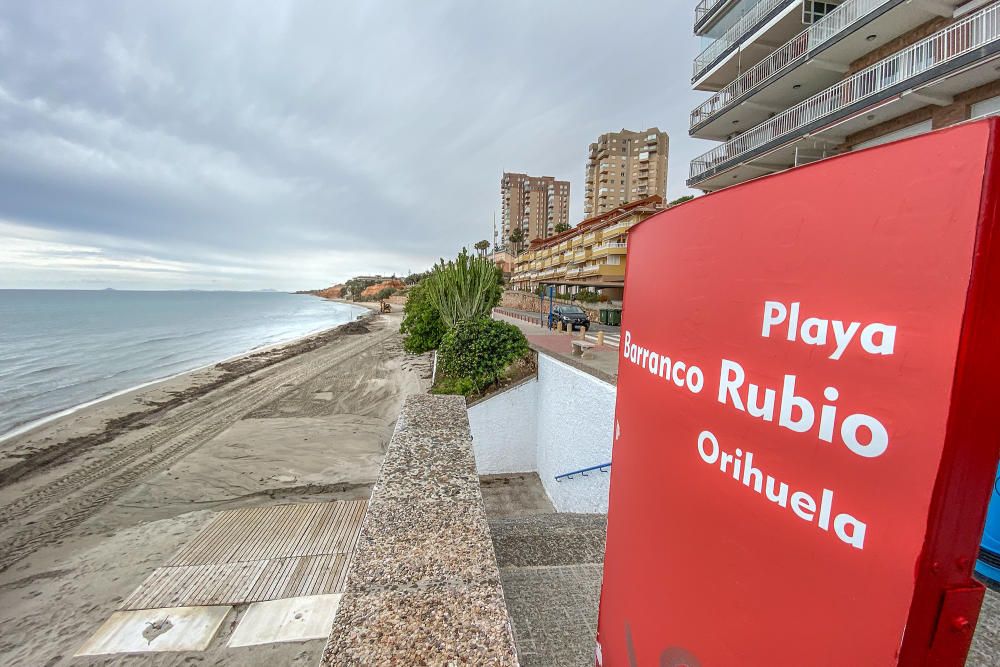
[{"x": 258, "y": 554}]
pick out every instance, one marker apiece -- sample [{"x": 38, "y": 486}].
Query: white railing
[
  {"x": 609, "y": 246},
  {"x": 704, "y": 8},
  {"x": 831, "y": 25},
  {"x": 735, "y": 33},
  {"x": 959, "y": 38}
]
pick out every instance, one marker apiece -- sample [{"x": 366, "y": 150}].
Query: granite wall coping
[{"x": 424, "y": 586}]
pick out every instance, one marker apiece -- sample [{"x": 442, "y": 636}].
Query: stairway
[{"x": 551, "y": 567}]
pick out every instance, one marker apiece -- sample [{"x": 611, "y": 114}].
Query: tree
[
  {"x": 355, "y": 286},
  {"x": 482, "y": 247},
  {"x": 517, "y": 238},
  {"x": 562, "y": 227},
  {"x": 680, "y": 200},
  {"x": 467, "y": 288},
  {"x": 385, "y": 293},
  {"x": 422, "y": 325}
]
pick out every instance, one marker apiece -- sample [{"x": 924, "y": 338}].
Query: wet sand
[{"x": 92, "y": 502}]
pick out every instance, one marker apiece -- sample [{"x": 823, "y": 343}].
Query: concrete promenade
[{"x": 600, "y": 361}]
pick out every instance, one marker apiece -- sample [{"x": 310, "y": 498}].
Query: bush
[
  {"x": 385, "y": 293},
  {"x": 453, "y": 386},
  {"x": 422, "y": 324},
  {"x": 480, "y": 350}
]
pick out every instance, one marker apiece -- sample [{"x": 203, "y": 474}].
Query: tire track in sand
[{"x": 79, "y": 494}]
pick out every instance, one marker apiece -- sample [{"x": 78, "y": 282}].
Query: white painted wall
[
  {"x": 563, "y": 421},
  {"x": 576, "y": 415},
  {"x": 504, "y": 437}
]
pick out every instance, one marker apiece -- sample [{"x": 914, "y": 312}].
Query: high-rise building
[
  {"x": 625, "y": 166},
  {"x": 794, "y": 81},
  {"x": 534, "y": 204}
]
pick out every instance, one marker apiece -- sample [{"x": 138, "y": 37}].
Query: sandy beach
[{"x": 90, "y": 503}]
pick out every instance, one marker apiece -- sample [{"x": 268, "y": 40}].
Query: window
[
  {"x": 814, "y": 10},
  {"x": 990, "y": 107},
  {"x": 909, "y": 131}
]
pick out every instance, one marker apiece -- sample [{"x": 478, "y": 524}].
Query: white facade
[{"x": 561, "y": 422}]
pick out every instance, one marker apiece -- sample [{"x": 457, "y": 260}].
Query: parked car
[{"x": 571, "y": 317}]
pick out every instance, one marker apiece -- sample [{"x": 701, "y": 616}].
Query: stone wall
[{"x": 424, "y": 586}]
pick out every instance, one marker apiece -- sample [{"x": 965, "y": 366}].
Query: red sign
[{"x": 807, "y": 418}]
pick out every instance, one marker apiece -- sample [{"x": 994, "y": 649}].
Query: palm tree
[
  {"x": 517, "y": 238},
  {"x": 482, "y": 247}
]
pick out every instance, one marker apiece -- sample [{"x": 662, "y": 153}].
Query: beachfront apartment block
[
  {"x": 795, "y": 81},
  {"x": 623, "y": 167},
  {"x": 533, "y": 204},
  {"x": 588, "y": 256}
]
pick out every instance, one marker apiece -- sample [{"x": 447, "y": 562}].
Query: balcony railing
[
  {"x": 831, "y": 25},
  {"x": 960, "y": 38},
  {"x": 609, "y": 246},
  {"x": 736, "y": 32},
  {"x": 704, "y": 8}
]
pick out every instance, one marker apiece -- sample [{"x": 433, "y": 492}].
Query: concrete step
[{"x": 549, "y": 539}]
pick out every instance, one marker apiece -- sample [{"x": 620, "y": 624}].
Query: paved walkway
[
  {"x": 601, "y": 361},
  {"x": 551, "y": 567}
]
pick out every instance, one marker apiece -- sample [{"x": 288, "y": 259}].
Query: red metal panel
[{"x": 848, "y": 303}]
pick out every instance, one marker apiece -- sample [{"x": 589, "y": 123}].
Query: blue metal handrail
[{"x": 604, "y": 467}]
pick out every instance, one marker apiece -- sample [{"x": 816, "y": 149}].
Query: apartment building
[
  {"x": 794, "y": 81},
  {"x": 625, "y": 166},
  {"x": 591, "y": 255},
  {"x": 534, "y": 204}
]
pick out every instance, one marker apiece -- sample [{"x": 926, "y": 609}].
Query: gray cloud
[{"x": 289, "y": 144}]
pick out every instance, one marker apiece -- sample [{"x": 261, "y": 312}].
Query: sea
[{"x": 63, "y": 349}]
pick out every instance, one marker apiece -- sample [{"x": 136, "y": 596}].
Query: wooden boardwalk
[{"x": 258, "y": 554}]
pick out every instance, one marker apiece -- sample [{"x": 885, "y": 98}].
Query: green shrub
[
  {"x": 480, "y": 350},
  {"x": 422, "y": 324},
  {"x": 452, "y": 386},
  {"x": 385, "y": 293}
]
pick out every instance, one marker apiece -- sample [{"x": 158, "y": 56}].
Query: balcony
[
  {"x": 590, "y": 237},
  {"x": 589, "y": 271},
  {"x": 580, "y": 255},
  {"x": 761, "y": 14},
  {"x": 616, "y": 229},
  {"x": 605, "y": 249},
  {"x": 930, "y": 71},
  {"x": 705, "y": 9},
  {"x": 810, "y": 61},
  {"x": 611, "y": 270}
]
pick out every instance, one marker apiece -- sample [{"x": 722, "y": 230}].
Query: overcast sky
[{"x": 290, "y": 145}]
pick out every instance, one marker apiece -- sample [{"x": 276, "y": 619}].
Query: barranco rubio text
[{"x": 816, "y": 417}]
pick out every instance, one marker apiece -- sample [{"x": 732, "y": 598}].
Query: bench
[{"x": 581, "y": 346}]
